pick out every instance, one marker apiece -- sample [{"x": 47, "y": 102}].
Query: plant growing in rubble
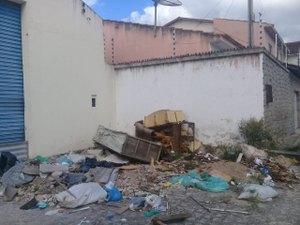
[{"x": 255, "y": 133}]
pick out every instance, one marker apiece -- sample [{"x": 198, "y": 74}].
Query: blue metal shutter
[{"x": 11, "y": 74}]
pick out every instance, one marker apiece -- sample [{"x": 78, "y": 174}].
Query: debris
[
  {"x": 129, "y": 167},
  {"x": 281, "y": 174},
  {"x": 220, "y": 174},
  {"x": 32, "y": 204},
  {"x": 54, "y": 212},
  {"x": 211, "y": 183},
  {"x": 74, "y": 178},
  {"x": 204, "y": 182},
  {"x": 76, "y": 158},
  {"x": 283, "y": 161},
  {"x": 41, "y": 159},
  {"x": 14, "y": 176},
  {"x": 10, "y": 193},
  {"x": 84, "y": 221},
  {"x": 237, "y": 171},
  {"x": 31, "y": 170},
  {"x": 239, "y": 159},
  {"x": 126, "y": 145},
  {"x": 229, "y": 210},
  {"x": 262, "y": 193},
  {"x": 151, "y": 213},
  {"x": 163, "y": 117},
  {"x": 7, "y": 161},
  {"x": 172, "y": 218},
  {"x": 43, "y": 205},
  {"x": 79, "y": 210},
  {"x": 268, "y": 181},
  {"x": 50, "y": 168},
  {"x": 208, "y": 209},
  {"x": 153, "y": 200},
  {"x": 137, "y": 203},
  {"x": 85, "y": 193},
  {"x": 64, "y": 160},
  {"x": 103, "y": 175},
  {"x": 251, "y": 152},
  {"x": 113, "y": 194}
]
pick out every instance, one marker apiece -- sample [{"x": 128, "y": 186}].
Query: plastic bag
[
  {"x": 204, "y": 182},
  {"x": 187, "y": 180},
  {"x": 113, "y": 194},
  {"x": 153, "y": 200},
  {"x": 85, "y": 193},
  {"x": 262, "y": 193},
  {"x": 137, "y": 203},
  {"x": 211, "y": 183}
]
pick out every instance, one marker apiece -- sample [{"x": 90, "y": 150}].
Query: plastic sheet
[
  {"x": 204, "y": 182},
  {"x": 82, "y": 194}
]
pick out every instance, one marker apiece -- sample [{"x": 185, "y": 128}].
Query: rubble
[{"x": 112, "y": 174}]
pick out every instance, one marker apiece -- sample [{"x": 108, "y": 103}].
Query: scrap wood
[
  {"x": 229, "y": 210},
  {"x": 215, "y": 209}
]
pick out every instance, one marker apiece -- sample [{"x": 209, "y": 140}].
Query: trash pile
[
  {"x": 171, "y": 130},
  {"x": 131, "y": 170}
]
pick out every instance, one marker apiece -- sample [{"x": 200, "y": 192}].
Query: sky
[{"x": 285, "y": 14}]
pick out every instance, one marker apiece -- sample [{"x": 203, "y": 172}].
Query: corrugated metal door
[{"x": 11, "y": 75}]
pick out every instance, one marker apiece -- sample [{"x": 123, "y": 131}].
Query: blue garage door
[{"x": 11, "y": 75}]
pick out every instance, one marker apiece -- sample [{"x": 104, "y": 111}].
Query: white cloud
[
  {"x": 284, "y": 14},
  {"x": 90, "y": 2},
  {"x": 164, "y": 14}
]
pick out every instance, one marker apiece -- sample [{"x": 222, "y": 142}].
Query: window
[
  {"x": 94, "y": 97},
  {"x": 269, "y": 93}
]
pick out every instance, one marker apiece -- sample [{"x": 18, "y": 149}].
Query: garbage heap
[{"x": 130, "y": 170}]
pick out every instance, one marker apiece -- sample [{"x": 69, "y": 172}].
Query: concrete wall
[
  {"x": 214, "y": 93},
  {"x": 280, "y": 114},
  {"x": 294, "y": 59},
  {"x": 127, "y": 42},
  {"x": 64, "y": 66}
]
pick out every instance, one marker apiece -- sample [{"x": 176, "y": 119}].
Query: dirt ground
[{"x": 283, "y": 210}]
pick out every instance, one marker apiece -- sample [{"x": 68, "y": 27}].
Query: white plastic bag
[
  {"x": 84, "y": 194},
  {"x": 262, "y": 193},
  {"x": 153, "y": 200}
]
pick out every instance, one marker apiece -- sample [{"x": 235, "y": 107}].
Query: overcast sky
[{"x": 285, "y": 14}]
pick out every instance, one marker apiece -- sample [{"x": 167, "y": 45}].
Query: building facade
[
  {"x": 128, "y": 42},
  {"x": 265, "y": 34},
  {"x": 216, "y": 91},
  {"x": 55, "y": 88}
]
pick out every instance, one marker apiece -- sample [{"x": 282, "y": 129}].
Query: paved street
[{"x": 283, "y": 210}]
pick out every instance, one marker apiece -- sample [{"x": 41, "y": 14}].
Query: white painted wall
[
  {"x": 63, "y": 66},
  {"x": 215, "y": 94}
]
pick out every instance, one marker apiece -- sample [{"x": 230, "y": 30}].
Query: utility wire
[
  {"x": 215, "y": 6},
  {"x": 229, "y": 8}
]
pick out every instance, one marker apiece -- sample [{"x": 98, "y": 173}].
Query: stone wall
[{"x": 279, "y": 114}]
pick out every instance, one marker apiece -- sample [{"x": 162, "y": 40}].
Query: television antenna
[{"x": 165, "y": 3}]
